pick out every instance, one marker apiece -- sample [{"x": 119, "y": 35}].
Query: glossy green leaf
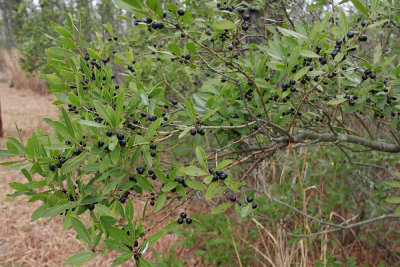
[
  {"x": 224, "y": 25},
  {"x": 79, "y": 259},
  {"x": 221, "y": 208}
]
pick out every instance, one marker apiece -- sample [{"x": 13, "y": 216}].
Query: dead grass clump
[{"x": 19, "y": 79}]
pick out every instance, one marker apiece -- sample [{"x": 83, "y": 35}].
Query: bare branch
[
  {"x": 329, "y": 137},
  {"x": 347, "y": 227}
]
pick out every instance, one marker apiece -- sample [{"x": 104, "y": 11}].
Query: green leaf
[
  {"x": 195, "y": 185},
  {"x": 291, "y": 33},
  {"x": 223, "y": 164},
  {"x": 161, "y": 176},
  {"x": 129, "y": 211},
  {"x": 15, "y": 147},
  {"x": 79, "y": 259},
  {"x": 184, "y": 132},
  {"x": 133, "y": 3},
  {"x": 212, "y": 190},
  {"x": 101, "y": 110},
  {"x": 93, "y": 54},
  {"x": 36, "y": 214},
  {"x": 115, "y": 245},
  {"x": 144, "y": 183},
  {"x": 112, "y": 185},
  {"x": 224, "y": 24},
  {"x": 58, "y": 52},
  {"x": 68, "y": 123},
  {"x": 343, "y": 21},
  {"x": 360, "y": 6},
  {"x": 154, "y": 238},
  {"x": 301, "y": 73},
  {"x": 92, "y": 199},
  {"x": 172, "y": 7},
  {"x": 18, "y": 186},
  {"x": 18, "y": 167},
  {"x": 169, "y": 186},
  {"x": 221, "y": 208},
  {"x": 152, "y": 128},
  {"x": 119, "y": 235},
  {"x": 201, "y": 157},
  {"x": 74, "y": 99},
  {"x": 308, "y": 53},
  {"x": 194, "y": 171},
  {"x": 207, "y": 179},
  {"x": 294, "y": 57},
  {"x": 181, "y": 191},
  {"x": 393, "y": 183},
  {"x": 53, "y": 211},
  {"x": 69, "y": 43},
  {"x": 336, "y": 101},
  {"x": 191, "y": 47},
  {"x": 6, "y": 154},
  {"x": 146, "y": 263},
  {"x": 210, "y": 113},
  {"x": 190, "y": 109},
  {"x": 64, "y": 32},
  {"x": 81, "y": 230},
  {"x": 245, "y": 210},
  {"x": 102, "y": 210},
  {"x": 73, "y": 163},
  {"x": 394, "y": 200},
  {"x": 155, "y": 6},
  {"x": 91, "y": 124},
  {"x": 160, "y": 202},
  {"x": 122, "y": 258}
]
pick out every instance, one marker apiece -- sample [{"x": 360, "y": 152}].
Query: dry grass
[{"x": 20, "y": 80}]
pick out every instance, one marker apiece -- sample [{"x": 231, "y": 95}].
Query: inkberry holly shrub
[{"x": 189, "y": 103}]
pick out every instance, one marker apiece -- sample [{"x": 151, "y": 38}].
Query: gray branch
[{"x": 330, "y": 137}]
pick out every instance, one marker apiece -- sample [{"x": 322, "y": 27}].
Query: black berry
[{"x": 181, "y": 12}]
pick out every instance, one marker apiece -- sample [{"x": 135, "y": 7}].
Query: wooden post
[{"x": 1, "y": 124}]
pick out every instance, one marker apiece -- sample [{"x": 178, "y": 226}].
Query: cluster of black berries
[
  {"x": 195, "y": 131},
  {"x": 291, "y": 111},
  {"x": 249, "y": 199},
  {"x": 218, "y": 174},
  {"x": 140, "y": 170},
  {"x": 368, "y": 73},
  {"x": 72, "y": 108},
  {"x": 115, "y": 38},
  {"x": 183, "y": 58},
  {"x": 183, "y": 215},
  {"x": 124, "y": 196},
  {"x": 153, "y": 147},
  {"x": 180, "y": 180},
  {"x": 152, "y": 199}
]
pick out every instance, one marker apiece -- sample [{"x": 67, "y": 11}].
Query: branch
[
  {"x": 286, "y": 14},
  {"x": 329, "y": 137},
  {"x": 347, "y": 227}
]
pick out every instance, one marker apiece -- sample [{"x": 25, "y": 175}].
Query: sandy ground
[{"x": 39, "y": 243}]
